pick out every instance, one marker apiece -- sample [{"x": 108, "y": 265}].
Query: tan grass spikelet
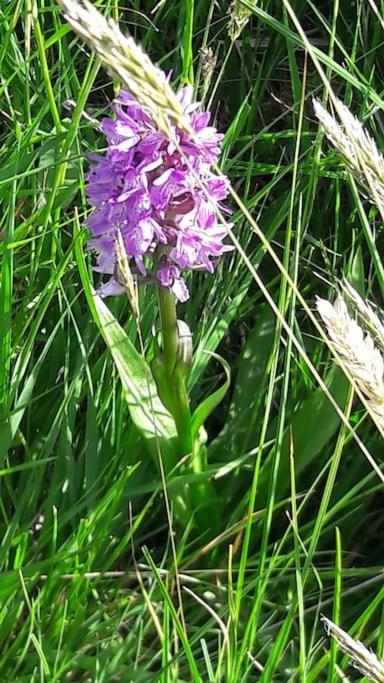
[
  {"x": 126, "y": 62},
  {"x": 357, "y": 148},
  {"x": 126, "y": 277},
  {"x": 366, "y": 314},
  {"x": 208, "y": 63},
  {"x": 239, "y": 18},
  {"x": 363, "y": 659},
  {"x": 358, "y": 353}
]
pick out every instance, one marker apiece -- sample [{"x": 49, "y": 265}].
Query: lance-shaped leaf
[
  {"x": 145, "y": 407},
  {"x": 205, "y": 408}
]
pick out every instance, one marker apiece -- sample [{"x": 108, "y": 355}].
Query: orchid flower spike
[{"x": 158, "y": 193}]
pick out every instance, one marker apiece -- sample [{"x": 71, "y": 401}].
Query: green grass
[{"x": 92, "y": 587}]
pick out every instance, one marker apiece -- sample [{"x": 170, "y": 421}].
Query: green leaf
[
  {"x": 315, "y": 418},
  {"x": 235, "y": 129},
  {"x": 209, "y": 404},
  {"x": 242, "y": 424},
  {"x": 186, "y": 34},
  {"x": 145, "y": 407},
  {"x": 153, "y": 421}
]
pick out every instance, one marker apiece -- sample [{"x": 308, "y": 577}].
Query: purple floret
[{"x": 150, "y": 191}]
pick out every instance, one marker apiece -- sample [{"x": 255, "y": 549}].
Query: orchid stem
[
  {"x": 174, "y": 395},
  {"x": 174, "y": 377}
]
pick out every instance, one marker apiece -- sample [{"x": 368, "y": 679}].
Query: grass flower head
[
  {"x": 363, "y": 660},
  {"x": 356, "y": 146},
  {"x": 357, "y": 351}
]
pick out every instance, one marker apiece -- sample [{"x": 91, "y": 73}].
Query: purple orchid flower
[{"x": 157, "y": 192}]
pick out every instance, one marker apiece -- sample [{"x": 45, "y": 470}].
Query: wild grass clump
[{"x": 184, "y": 494}]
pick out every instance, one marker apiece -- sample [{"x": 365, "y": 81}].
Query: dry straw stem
[
  {"x": 126, "y": 62},
  {"x": 358, "y": 353},
  {"x": 357, "y": 148},
  {"x": 363, "y": 660}
]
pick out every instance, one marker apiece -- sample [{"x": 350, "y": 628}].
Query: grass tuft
[{"x": 98, "y": 583}]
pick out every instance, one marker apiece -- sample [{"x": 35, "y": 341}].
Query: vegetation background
[{"x": 88, "y": 589}]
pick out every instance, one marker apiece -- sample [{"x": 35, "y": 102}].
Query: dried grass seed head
[
  {"x": 125, "y": 275},
  {"x": 239, "y": 17},
  {"x": 356, "y": 146},
  {"x": 368, "y": 317},
  {"x": 208, "y": 62},
  {"x": 126, "y": 62},
  {"x": 363, "y": 659},
  {"x": 357, "y": 352}
]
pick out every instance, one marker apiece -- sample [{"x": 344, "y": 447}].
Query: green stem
[
  {"x": 168, "y": 327},
  {"x": 174, "y": 376},
  {"x": 175, "y": 398}
]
